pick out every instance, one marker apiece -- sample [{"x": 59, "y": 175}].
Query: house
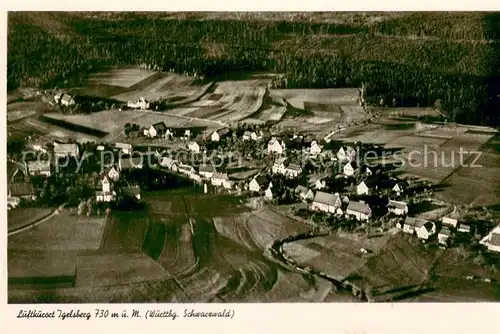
[
  {"x": 368, "y": 171},
  {"x": 156, "y": 130},
  {"x": 451, "y": 222},
  {"x": 140, "y": 104},
  {"x": 425, "y": 231},
  {"x": 258, "y": 183},
  {"x": 206, "y": 171},
  {"x": 360, "y": 210},
  {"x": 39, "y": 168},
  {"x": 194, "y": 147},
  {"x": 315, "y": 148},
  {"x": 320, "y": 184},
  {"x": 274, "y": 146},
  {"x": 187, "y": 134},
  {"x": 247, "y": 135},
  {"x": 13, "y": 202},
  {"x": 293, "y": 170},
  {"x": 279, "y": 166},
  {"x": 67, "y": 100},
  {"x": 24, "y": 190},
  {"x": 362, "y": 188},
  {"x": 252, "y": 135},
  {"x": 268, "y": 194},
  {"x": 348, "y": 169},
  {"x": 397, "y": 208},
  {"x": 492, "y": 240},
  {"x": 132, "y": 192},
  {"x": 169, "y": 163},
  {"x": 130, "y": 163},
  {"x": 124, "y": 148},
  {"x": 57, "y": 98},
  {"x": 444, "y": 236},
  {"x": 219, "y": 134},
  {"x": 65, "y": 150},
  {"x": 218, "y": 179},
  {"x": 185, "y": 169},
  {"x": 398, "y": 189},
  {"x": 347, "y": 154},
  {"x": 106, "y": 194},
  {"x": 100, "y": 148},
  {"x": 463, "y": 228},
  {"x": 411, "y": 224},
  {"x": 305, "y": 194},
  {"x": 113, "y": 174},
  {"x": 326, "y": 202}
]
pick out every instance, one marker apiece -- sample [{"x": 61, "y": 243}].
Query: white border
[{"x": 250, "y": 318}]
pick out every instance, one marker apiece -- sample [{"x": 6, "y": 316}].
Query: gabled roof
[
  {"x": 185, "y": 167},
  {"x": 495, "y": 239},
  {"x": 326, "y": 198},
  {"x": 66, "y": 98},
  {"x": 123, "y": 146},
  {"x": 37, "y": 165},
  {"x": 359, "y": 207},
  {"x": 247, "y": 133},
  {"x": 294, "y": 167},
  {"x": 445, "y": 231},
  {"x": 415, "y": 222},
  {"x": 206, "y": 168},
  {"x": 220, "y": 176},
  {"x": 262, "y": 180},
  {"x": 363, "y": 183},
  {"x": 429, "y": 226},
  {"x": 66, "y": 149},
  {"x": 301, "y": 189},
  {"x": 167, "y": 161},
  {"x": 223, "y": 131},
  {"x": 397, "y": 205},
  {"x": 160, "y": 126},
  {"x": 449, "y": 221},
  {"x": 21, "y": 189}
]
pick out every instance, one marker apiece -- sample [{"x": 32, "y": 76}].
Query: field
[
  {"x": 113, "y": 121},
  {"x": 63, "y": 232},
  {"x": 25, "y": 216},
  {"x": 336, "y": 255},
  {"x": 20, "y": 110}
]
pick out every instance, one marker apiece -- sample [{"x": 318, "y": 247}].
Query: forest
[{"x": 447, "y": 60}]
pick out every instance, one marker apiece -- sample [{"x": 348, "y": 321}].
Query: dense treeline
[{"x": 460, "y": 70}]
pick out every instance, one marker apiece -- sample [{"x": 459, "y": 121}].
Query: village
[{"x": 327, "y": 184}]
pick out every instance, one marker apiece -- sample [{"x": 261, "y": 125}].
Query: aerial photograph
[{"x": 253, "y": 157}]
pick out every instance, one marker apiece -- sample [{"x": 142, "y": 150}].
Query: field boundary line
[{"x": 36, "y": 223}]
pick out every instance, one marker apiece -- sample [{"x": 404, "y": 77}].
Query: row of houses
[{"x": 425, "y": 229}]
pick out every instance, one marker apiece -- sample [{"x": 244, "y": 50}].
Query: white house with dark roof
[
  {"x": 326, "y": 202},
  {"x": 206, "y": 171},
  {"x": 398, "y": 208},
  {"x": 293, "y": 170},
  {"x": 106, "y": 194},
  {"x": 463, "y": 228},
  {"x": 219, "y": 134},
  {"x": 425, "y": 231},
  {"x": 305, "y": 194},
  {"x": 492, "y": 240},
  {"x": 362, "y": 188},
  {"x": 412, "y": 223},
  {"x": 275, "y": 146},
  {"x": 315, "y": 148},
  {"x": 66, "y": 150},
  {"x": 348, "y": 169},
  {"x": 258, "y": 183},
  {"x": 156, "y": 130},
  {"x": 359, "y": 210},
  {"x": 444, "y": 236},
  {"x": 194, "y": 147}
]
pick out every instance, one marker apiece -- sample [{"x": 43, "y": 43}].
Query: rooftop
[
  {"x": 326, "y": 198},
  {"x": 359, "y": 207}
]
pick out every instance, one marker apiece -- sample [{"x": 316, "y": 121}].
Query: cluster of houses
[
  {"x": 139, "y": 104},
  {"x": 444, "y": 231}
]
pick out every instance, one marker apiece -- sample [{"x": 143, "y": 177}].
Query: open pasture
[
  {"x": 299, "y": 98},
  {"x": 120, "y": 77},
  {"x": 116, "y": 269},
  {"x": 39, "y": 264},
  {"x": 63, "y": 232},
  {"x": 25, "y": 216}
]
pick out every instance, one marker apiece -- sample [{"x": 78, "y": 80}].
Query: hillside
[{"x": 403, "y": 59}]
